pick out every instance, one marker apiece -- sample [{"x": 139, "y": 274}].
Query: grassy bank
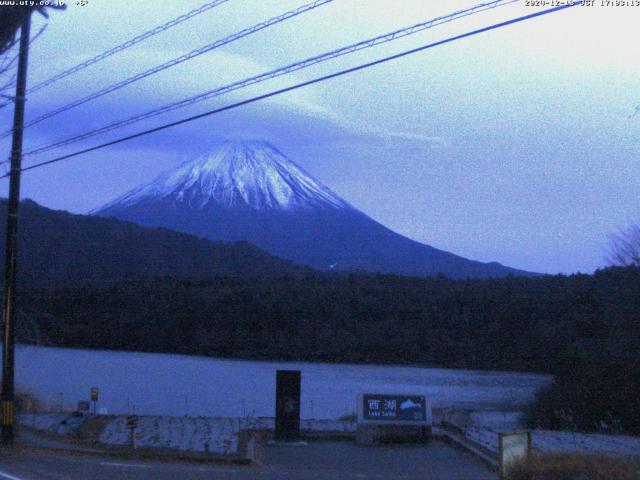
[{"x": 576, "y": 466}]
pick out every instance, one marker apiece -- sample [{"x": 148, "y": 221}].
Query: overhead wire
[
  {"x": 129, "y": 43},
  {"x": 176, "y": 61},
  {"x": 11, "y": 82},
  {"x": 7, "y": 66},
  {"x": 9, "y": 63},
  {"x": 371, "y": 42},
  {"x": 305, "y": 84}
]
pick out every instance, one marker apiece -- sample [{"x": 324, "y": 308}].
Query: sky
[{"x": 519, "y": 145}]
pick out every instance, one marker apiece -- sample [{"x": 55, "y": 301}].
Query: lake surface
[{"x": 162, "y": 384}]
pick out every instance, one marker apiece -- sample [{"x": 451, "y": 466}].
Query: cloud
[
  {"x": 297, "y": 117},
  {"x": 434, "y": 141}
]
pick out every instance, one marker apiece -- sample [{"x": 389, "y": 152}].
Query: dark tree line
[{"x": 538, "y": 324}]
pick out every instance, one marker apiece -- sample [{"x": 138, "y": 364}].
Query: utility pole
[{"x": 9, "y": 314}]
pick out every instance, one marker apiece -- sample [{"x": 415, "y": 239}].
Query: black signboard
[
  {"x": 83, "y": 406},
  {"x": 398, "y": 408},
  {"x": 287, "y": 405}
]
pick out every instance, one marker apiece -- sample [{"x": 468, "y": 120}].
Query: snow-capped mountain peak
[
  {"x": 250, "y": 191},
  {"x": 238, "y": 174}
]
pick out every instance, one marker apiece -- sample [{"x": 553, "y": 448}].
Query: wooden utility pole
[{"x": 9, "y": 314}]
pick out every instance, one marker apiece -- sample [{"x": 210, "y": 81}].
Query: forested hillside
[{"x": 59, "y": 248}]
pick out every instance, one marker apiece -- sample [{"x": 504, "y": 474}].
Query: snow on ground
[
  {"x": 222, "y": 435},
  {"x": 483, "y": 427},
  {"x": 201, "y": 434},
  {"x": 502, "y": 420},
  {"x": 558, "y": 441},
  {"x": 194, "y": 434},
  {"x": 58, "y": 423}
]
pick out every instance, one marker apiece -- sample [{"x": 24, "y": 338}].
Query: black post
[
  {"x": 9, "y": 314},
  {"x": 287, "y": 405},
  {"x": 94, "y": 398}
]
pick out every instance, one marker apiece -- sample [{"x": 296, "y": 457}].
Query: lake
[{"x": 164, "y": 384}]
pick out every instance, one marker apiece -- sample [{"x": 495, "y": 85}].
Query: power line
[
  {"x": 380, "y": 39},
  {"x": 10, "y": 83},
  {"x": 9, "y": 64},
  {"x": 183, "y": 58},
  {"x": 303, "y": 84},
  {"x": 127, "y": 44}
]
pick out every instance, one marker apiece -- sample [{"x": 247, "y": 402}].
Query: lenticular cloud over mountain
[{"x": 252, "y": 191}]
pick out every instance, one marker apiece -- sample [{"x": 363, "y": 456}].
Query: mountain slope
[
  {"x": 251, "y": 191},
  {"x": 59, "y": 248}
]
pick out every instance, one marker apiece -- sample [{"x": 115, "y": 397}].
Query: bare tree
[{"x": 624, "y": 247}]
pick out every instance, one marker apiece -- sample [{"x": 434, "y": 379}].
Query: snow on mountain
[
  {"x": 251, "y": 191},
  {"x": 238, "y": 174}
]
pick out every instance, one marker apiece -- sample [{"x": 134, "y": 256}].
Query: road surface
[{"x": 317, "y": 461}]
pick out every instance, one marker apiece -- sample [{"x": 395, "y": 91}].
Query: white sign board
[{"x": 514, "y": 447}]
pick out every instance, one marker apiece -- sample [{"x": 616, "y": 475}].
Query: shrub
[{"x": 603, "y": 398}]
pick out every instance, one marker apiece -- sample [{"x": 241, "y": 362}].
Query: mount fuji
[{"x": 252, "y": 191}]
